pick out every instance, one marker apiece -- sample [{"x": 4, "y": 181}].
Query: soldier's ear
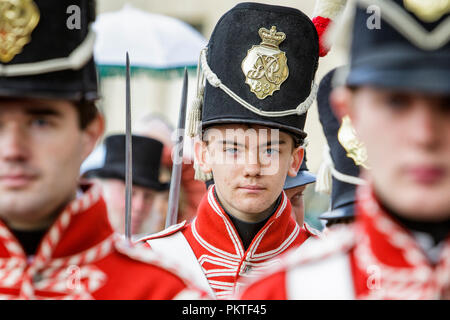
[
  {"x": 296, "y": 161},
  {"x": 202, "y": 158},
  {"x": 92, "y": 133},
  {"x": 341, "y": 102}
]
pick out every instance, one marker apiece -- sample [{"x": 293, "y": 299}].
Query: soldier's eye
[
  {"x": 397, "y": 101},
  {"x": 271, "y": 151},
  {"x": 231, "y": 150},
  {"x": 40, "y": 122}
]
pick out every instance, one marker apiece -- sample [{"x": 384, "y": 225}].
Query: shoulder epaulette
[
  {"x": 138, "y": 252},
  {"x": 164, "y": 233}
]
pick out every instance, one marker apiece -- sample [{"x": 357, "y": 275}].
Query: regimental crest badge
[
  {"x": 356, "y": 150},
  {"x": 428, "y": 10},
  {"x": 18, "y": 18},
  {"x": 265, "y": 66}
]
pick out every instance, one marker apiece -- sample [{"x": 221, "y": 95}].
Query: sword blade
[
  {"x": 177, "y": 157},
  {"x": 128, "y": 154}
]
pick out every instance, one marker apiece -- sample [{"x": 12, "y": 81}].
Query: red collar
[
  {"x": 393, "y": 244},
  {"x": 214, "y": 229},
  {"x": 389, "y": 254},
  {"x": 81, "y": 225}
]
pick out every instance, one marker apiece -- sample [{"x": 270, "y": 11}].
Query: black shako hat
[
  {"x": 343, "y": 170},
  {"x": 403, "y": 44},
  {"x": 258, "y": 68},
  {"x": 46, "y": 49},
  {"x": 146, "y": 154},
  {"x": 303, "y": 177}
]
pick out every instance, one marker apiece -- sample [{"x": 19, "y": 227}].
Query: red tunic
[
  {"x": 375, "y": 258},
  {"x": 219, "y": 249},
  {"x": 81, "y": 258}
]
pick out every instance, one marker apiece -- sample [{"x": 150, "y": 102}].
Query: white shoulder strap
[{"x": 178, "y": 249}]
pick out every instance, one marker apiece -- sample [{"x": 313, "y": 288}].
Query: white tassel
[
  {"x": 324, "y": 178},
  {"x": 194, "y": 117}
]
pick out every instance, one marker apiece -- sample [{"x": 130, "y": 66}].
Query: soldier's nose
[
  {"x": 428, "y": 126},
  {"x": 252, "y": 165},
  {"x": 252, "y": 170},
  {"x": 13, "y": 144}
]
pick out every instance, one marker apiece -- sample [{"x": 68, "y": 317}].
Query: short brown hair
[{"x": 87, "y": 111}]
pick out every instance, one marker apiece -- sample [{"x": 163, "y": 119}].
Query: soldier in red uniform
[
  {"x": 253, "y": 113},
  {"x": 339, "y": 173},
  {"x": 397, "y": 95},
  {"x": 146, "y": 182},
  {"x": 56, "y": 241}
]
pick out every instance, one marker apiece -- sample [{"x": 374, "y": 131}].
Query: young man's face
[
  {"x": 407, "y": 136},
  {"x": 41, "y": 150},
  {"x": 249, "y": 166}
]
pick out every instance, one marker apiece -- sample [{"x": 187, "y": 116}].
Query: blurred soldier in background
[
  {"x": 191, "y": 191},
  {"x": 295, "y": 187},
  {"x": 397, "y": 94},
  {"x": 252, "y": 112},
  {"x": 146, "y": 185},
  {"x": 55, "y": 238},
  {"x": 343, "y": 157}
]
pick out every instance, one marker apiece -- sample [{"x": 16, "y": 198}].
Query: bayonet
[
  {"x": 177, "y": 157},
  {"x": 128, "y": 154}
]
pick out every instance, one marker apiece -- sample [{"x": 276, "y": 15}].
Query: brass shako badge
[
  {"x": 265, "y": 66},
  {"x": 356, "y": 150},
  {"x": 18, "y": 18}
]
